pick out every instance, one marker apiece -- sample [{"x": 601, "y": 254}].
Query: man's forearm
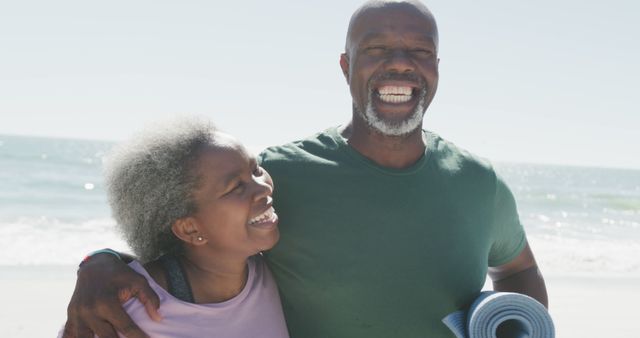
[
  {"x": 125, "y": 257},
  {"x": 528, "y": 282}
]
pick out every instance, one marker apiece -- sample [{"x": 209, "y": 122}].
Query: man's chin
[{"x": 393, "y": 127}]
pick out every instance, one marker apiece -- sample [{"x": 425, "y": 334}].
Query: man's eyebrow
[
  {"x": 371, "y": 36},
  {"x": 428, "y": 39}
]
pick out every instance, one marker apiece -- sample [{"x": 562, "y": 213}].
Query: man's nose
[{"x": 399, "y": 61}]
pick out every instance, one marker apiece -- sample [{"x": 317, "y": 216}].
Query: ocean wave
[
  {"x": 49, "y": 241},
  {"x": 594, "y": 257}
]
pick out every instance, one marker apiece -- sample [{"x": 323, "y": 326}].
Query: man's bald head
[
  {"x": 391, "y": 65},
  {"x": 387, "y": 5}
]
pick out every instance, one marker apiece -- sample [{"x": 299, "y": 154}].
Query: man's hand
[
  {"x": 104, "y": 283},
  {"x": 521, "y": 275}
]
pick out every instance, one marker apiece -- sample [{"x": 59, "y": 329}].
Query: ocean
[{"x": 53, "y": 209}]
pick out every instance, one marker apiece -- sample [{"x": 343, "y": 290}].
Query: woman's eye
[
  {"x": 238, "y": 188},
  {"x": 258, "y": 171}
]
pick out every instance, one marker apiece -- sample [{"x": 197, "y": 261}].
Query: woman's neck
[{"x": 214, "y": 279}]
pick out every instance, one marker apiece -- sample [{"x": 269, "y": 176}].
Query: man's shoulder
[
  {"x": 451, "y": 159},
  {"x": 316, "y": 146}
]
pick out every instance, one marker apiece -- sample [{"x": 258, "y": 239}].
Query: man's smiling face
[{"x": 391, "y": 65}]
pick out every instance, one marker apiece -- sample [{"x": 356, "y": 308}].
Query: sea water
[{"x": 53, "y": 209}]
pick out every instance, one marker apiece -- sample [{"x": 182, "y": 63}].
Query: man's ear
[
  {"x": 187, "y": 230},
  {"x": 344, "y": 64}
]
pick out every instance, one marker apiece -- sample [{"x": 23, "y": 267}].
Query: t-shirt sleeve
[
  {"x": 508, "y": 234},
  {"x": 264, "y": 157}
]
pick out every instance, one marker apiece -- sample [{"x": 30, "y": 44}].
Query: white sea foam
[
  {"x": 44, "y": 241},
  {"x": 571, "y": 256}
]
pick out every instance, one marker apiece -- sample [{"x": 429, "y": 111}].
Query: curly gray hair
[{"x": 150, "y": 182}]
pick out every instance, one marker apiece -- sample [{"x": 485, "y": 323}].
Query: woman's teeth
[
  {"x": 394, "y": 94},
  {"x": 265, "y": 216}
]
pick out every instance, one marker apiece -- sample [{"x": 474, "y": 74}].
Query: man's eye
[
  {"x": 422, "y": 52},
  {"x": 376, "y": 49}
]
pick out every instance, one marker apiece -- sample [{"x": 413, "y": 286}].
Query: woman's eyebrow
[{"x": 229, "y": 178}]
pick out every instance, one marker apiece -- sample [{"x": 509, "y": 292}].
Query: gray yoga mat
[{"x": 511, "y": 314}]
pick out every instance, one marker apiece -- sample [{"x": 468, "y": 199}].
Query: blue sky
[{"x": 543, "y": 81}]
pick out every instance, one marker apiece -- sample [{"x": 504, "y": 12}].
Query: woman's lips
[{"x": 266, "y": 219}]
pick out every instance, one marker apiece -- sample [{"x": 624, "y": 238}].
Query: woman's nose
[{"x": 263, "y": 189}]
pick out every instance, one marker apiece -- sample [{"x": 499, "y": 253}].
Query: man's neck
[{"x": 396, "y": 152}]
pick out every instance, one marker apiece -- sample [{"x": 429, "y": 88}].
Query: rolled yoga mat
[{"x": 502, "y": 314}]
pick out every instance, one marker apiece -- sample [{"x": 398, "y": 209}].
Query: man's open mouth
[{"x": 395, "y": 94}]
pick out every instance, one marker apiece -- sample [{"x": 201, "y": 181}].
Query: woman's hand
[{"x": 104, "y": 284}]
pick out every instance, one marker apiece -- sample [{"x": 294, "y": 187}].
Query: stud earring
[{"x": 200, "y": 238}]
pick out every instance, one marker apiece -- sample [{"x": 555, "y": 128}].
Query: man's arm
[
  {"x": 104, "y": 283},
  {"x": 521, "y": 275}
]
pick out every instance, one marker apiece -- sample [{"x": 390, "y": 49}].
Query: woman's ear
[{"x": 187, "y": 230}]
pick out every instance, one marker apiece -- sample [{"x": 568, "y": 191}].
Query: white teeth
[
  {"x": 393, "y": 94},
  {"x": 268, "y": 214},
  {"x": 393, "y": 90},
  {"x": 395, "y": 98}
]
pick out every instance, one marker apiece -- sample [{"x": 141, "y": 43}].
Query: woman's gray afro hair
[{"x": 150, "y": 182}]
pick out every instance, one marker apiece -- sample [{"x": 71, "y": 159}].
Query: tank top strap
[{"x": 177, "y": 282}]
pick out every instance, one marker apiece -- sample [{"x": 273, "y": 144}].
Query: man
[{"x": 385, "y": 228}]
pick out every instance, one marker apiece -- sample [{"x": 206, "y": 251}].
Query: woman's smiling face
[{"x": 235, "y": 214}]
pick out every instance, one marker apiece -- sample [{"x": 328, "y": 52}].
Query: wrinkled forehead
[{"x": 394, "y": 19}]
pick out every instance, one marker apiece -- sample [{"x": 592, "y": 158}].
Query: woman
[{"x": 196, "y": 209}]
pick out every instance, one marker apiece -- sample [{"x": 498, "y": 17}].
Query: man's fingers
[
  {"x": 152, "y": 311},
  {"x": 123, "y": 323},
  {"x": 150, "y": 300}
]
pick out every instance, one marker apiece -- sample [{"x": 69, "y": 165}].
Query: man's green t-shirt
[{"x": 369, "y": 251}]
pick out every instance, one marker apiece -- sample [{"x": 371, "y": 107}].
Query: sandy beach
[
  {"x": 581, "y": 306},
  {"x": 604, "y": 307}
]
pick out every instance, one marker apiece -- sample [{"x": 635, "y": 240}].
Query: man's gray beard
[{"x": 395, "y": 128}]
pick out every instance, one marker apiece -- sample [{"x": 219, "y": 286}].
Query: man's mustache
[{"x": 393, "y": 76}]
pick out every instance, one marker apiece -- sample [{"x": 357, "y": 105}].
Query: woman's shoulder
[{"x": 154, "y": 271}]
